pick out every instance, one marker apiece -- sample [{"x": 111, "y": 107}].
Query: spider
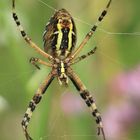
[{"x": 59, "y": 43}]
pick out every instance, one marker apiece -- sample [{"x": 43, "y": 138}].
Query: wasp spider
[{"x": 59, "y": 43}]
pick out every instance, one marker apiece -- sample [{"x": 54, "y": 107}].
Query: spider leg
[
  {"x": 24, "y": 35},
  {"x": 85, "y": 94},
  {"x": 82, "y": 57},
  {"x": 37, "y": 60},
  {"x": 90, "y": 33},
  {"x": 33, "y": 103}
]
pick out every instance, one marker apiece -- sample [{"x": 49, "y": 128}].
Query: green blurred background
[{"x": 112, "y": 74}]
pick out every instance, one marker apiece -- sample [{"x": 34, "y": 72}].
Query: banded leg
[
  {"x": 90, "y": 33},
  {"x": 82, "y": 57},
  {"x": 88, "y": 100},
  {"x": 24, "y": 35},
  {"x": 33, "y": 103},
  {"x": 34, "y": 61}
]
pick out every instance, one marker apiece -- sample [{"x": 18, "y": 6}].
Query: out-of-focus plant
[{"x": 123, "y": 114}]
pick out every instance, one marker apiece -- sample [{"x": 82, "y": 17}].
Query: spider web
[
  {"x": 66, "y": 136},
  {"x": 58, "y": 117}
]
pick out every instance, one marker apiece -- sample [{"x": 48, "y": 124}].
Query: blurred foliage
[{"x": 19, "y": 80}]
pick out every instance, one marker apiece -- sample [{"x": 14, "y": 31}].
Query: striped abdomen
[{"x": 60, "y": 35}]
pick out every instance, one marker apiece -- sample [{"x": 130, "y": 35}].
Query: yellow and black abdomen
[{"x": 60, "y": 35}]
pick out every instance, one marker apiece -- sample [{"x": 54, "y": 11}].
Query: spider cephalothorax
[
  {"x": 62, "y": 73},
  {"x": 59, "y": 42}
]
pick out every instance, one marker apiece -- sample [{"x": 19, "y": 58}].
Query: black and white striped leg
[
  {"x": 15, "y": 17},
  {"x": 33, "y": 103},
  {"x": 103, "y": 14},
  {"x": 91, "y": 103},
  {"x": 92, "y": 30},
  {"x": 82, "y": 57},
  {"x": 24, "y": 35},
  {"x": 88, "y": 100}
]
